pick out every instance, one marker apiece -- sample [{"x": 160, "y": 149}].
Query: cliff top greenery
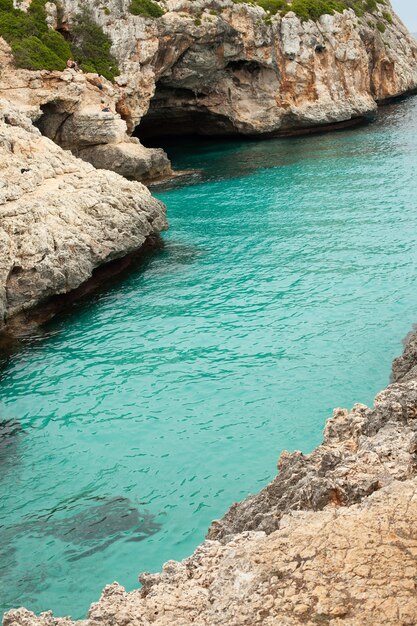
[
  {"x": 37, "y": 47},
  {"x": 145, "y": 8},
  {"x": 314, "y": 9}
]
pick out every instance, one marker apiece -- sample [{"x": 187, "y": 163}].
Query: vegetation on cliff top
[
  {"x": 145, "y": 8},
  {"x": 91, "y": 46},
  {"x": 37, "y": 47},
  {"x": 33, "y": 44},
  {"x": 314, "y": 9}
]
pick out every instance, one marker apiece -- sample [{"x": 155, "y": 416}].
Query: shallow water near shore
[{"x": 287, "y": 282}]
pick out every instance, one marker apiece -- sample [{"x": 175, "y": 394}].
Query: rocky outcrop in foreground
[
  {"x": 332, "y": 540},
  {"x": 59, "y": 217}
]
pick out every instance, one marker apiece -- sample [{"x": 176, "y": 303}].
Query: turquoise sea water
[{"x": 288, "y": 280}]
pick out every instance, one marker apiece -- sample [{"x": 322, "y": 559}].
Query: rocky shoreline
[
  {"x": 331, "y": 540},
  {"x": 210, "y": 67},
  {"x": 61, "y": 218}
]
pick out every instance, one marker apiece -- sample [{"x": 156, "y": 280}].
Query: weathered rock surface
[
  {"x": 332, "y": 540},
  {"x": 216, "y": 67},
  {"x": 78, "y": 112},
  {"x": 213, "y": 67},
  {"x": 363, "y": 450},
  {"x": 59, "y": 217}
]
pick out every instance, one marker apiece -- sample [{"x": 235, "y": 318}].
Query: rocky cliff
[
  {"x": 59, "y": 217},
  {"x": 332, "y": 539},
  {"x": 214, "y": 67},
  {"x": 217, "y": 67}
]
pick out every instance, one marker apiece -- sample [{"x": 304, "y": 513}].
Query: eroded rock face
[
  {"x": 216, "y": 67},
  {"x": 78, "y": 112},
  {"x": 213, "y": 67},
  {"x": 59, "y": 217}
]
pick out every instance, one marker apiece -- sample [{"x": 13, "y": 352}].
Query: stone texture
[
  {"x": 363, "y": 450},
  {"x": 130, "y": 159},
  {"x": 352, "y": 566},
  {"x": 213, "y": 67},
  {"x": 59, "y": 217},
  {"x": 331, "y": 540},
  {"x": 78, "y": 112}
]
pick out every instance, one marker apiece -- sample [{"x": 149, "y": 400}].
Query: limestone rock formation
[
  {"x": 217, "y": 67},
  {"x": 213, "y": 67},
  {"x": 59, "y": 217},
  {"x": 331, "y": 541},
  {"x": 363, "y": 450},
  {"x": 78, "y": 112}
]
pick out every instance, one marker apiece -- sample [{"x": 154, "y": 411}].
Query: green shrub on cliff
[
  {"x": 145, "y": 8},
  {"x": 34, "y": 45},
  {"x": 37, "y": 47},
  {"x": 313, "y": 9},
  {"x": 388, "y": 17},
  {"x": 273, "y": 6},
  {"x": 90, "y": 46}
]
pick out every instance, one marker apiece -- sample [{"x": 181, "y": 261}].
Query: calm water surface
[{"x": 287, "y": 283}]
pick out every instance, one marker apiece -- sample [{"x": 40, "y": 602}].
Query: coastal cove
[{"x": 287, "y": 281}]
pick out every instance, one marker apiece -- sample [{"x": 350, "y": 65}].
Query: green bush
[
  {"x": 90, "y": 46},
  {"x": 34, "y": 45},
  {"x": 313, "y": 9},
  {"x": 273, "y": 6},
  {"x": 32, "y": 54},
  {"x": 381, "y": 27},
  {"x": 37, "y": 47},
  {"x": 6, "y": 5},
  {"x": 57, "y": 44},
  {"x": 388, "y": 17},
  {"x": 145, "y": 8}
]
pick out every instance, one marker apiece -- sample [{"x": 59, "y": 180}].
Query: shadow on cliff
[{"x": 209, "y": 158}]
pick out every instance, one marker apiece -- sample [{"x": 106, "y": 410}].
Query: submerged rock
[
  {"x": 88, "y": 525},
  {"x": 10, "y": 429}
]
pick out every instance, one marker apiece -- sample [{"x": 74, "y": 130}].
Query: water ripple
[{"x": 286, "y": 284}]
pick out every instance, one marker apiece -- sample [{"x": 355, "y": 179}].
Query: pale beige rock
[
  {"x": 352, "y": 566},
  {"x": 59, "y": 217},
  {"x": 240, "y": 71},
  {"x": 78, "y": 112},
  {"x": 214, "y": 67},
  {"x": 331, "y": 540}
]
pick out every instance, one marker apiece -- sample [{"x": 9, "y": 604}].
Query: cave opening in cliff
[
  {"x": 53, "y": 115},
  {"x": 177, "y": 112}
]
